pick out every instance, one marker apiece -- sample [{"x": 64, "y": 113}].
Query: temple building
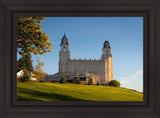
[{"x": 97, "y": 70}]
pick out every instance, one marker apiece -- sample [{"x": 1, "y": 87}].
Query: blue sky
[{"x": 86, "y": 36}]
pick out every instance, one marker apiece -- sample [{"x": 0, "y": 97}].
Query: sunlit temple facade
[{"x": 97, "y": 70}]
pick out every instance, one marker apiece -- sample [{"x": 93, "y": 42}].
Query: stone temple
[{"x": 97, "y": 70}]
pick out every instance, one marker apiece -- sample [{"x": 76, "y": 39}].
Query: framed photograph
[
  {"x": 91, "y": 77},
  {"x": 79, "y": 59}
]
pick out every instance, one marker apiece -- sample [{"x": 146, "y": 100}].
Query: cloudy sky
[{"x": 86, "y": 36}]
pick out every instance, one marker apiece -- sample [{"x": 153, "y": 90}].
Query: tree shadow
[
  {"x": 22, "y": 98},
  {"x": 49, "y": 96}
]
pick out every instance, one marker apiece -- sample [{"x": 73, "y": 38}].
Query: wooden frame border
[{"x": 150, "y": 10}]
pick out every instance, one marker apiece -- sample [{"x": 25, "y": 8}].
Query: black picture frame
[{"x": 149, "y": 9}]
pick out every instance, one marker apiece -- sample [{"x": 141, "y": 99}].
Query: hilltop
[{"x": 74, "y": 92}]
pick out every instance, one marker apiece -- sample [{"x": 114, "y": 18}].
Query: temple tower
[
  {"x": 64, "y": 55},
  {"x": 107, "y": 58}
]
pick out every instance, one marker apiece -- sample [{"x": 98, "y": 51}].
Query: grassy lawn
[{"x": 73, "y": 92}]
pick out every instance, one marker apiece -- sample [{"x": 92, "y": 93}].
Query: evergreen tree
[
  {"x": 20, "y": 64},
  {"x": 25, "y": 62},
  {"x": 28, "y": 62},
  {"x": 90, "y": 82},
  {"x": 97, "y": 83},
  {"x": 63, "y": 80}
]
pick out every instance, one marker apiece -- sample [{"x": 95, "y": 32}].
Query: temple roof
[{"x": 64, "y": 40}]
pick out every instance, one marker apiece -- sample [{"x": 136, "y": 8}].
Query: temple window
[
  {"x": 87, "y": 68},
  {"x": 102, "y": 68},
  {"x": 92, "y": 67},
  {"x": 64, "y": 49},
  {"x": 72, "y": 68},
  {"x": 82, "y": 67}
]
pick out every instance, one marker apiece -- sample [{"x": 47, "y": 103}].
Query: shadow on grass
[
  {"x": 34, "y": 95},
  {"x": 20, "y": 98}
]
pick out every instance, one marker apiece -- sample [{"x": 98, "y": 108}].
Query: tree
[
  {"x": 25, "y": 62},
  {"x": 63, "y": 80},
  {"x": 114, "y": 83},
  {"x": 39, "y": 74},
  {"x": 29, "y": 36},
  {"x": 97, "y": 83},
  {"x": 90, "y": 82},
  {"x": 28, "y": 62},
  {"x": 20, "y": 64}
]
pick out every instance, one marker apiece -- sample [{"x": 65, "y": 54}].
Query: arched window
[
  {"x": 92, "y": 68},
  {"x": 72, "y": 68},
  {"x": 82, "y": 67},
  {"x": 107, "y": 52},
  {"x": 87, "y": 68},
  {"x": 64, "y": 49}
]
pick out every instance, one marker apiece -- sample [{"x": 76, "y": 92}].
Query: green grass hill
[{"x": 73, "y": 92}]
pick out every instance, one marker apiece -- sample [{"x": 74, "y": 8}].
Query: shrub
[
  {"x": 90, "y": 82},
  {"x": 114, "y": 83},
  {"x": 63, "y": 80},
  {"x": 69, "y": 81},
  {"x": 52, "y": 81},
  {"x": 41, "y": 81},
  {"x": 107, "y": 84},
  {"x": 78, "y": 81},
  {"x": 97, "y": 83},
  {"x": 74, "y": 80}
]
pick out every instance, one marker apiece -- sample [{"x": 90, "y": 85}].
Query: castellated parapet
[{"x": 96, "y": 69}]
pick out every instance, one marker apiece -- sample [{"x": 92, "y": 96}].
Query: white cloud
[
  {"x": 124, "y": 81},
  {"x": 132, "y": 80},
  {"x": 139, "y": 72},
  {"x": 125, "y": 74},
  {"x": 129, "y": 77}
]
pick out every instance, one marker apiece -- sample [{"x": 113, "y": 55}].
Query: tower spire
[
  {"x": 106, "y": 50},
  {"x": 64, "y": 40},
  {"x": 106, "y": 44}
]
